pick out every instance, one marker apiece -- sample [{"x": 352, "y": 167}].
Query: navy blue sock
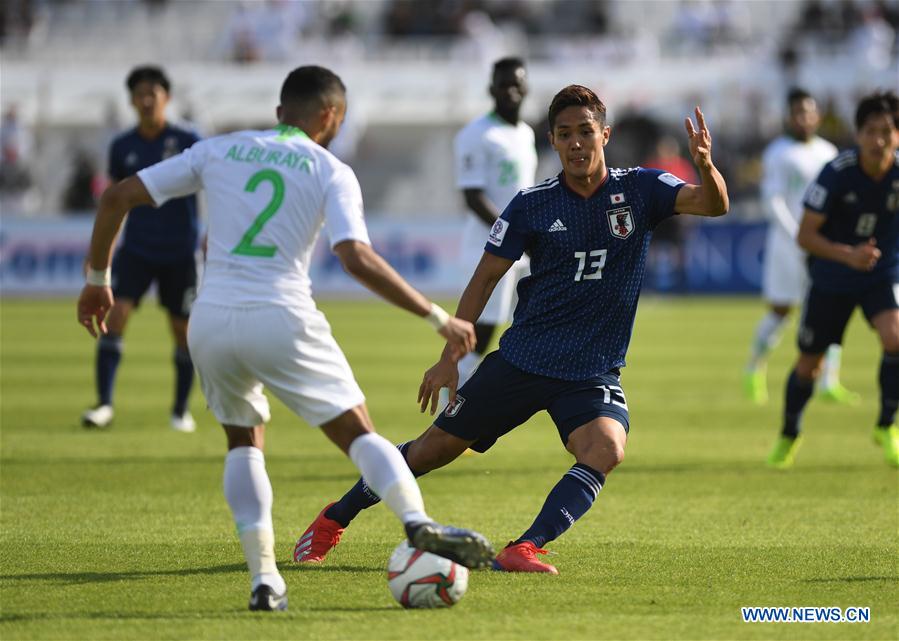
[
  {"x": 568, "y": 501},
  {"x": 889, "y": 389},
  {"x": 360, "y": 497},
  {"x": 184, "y": 379},
  {"x": 109, "y": 354},
  {"x": 797, "y": 395}
]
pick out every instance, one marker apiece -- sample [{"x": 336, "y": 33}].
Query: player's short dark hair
[
  {"x": 504, "y": 64},
  {"x": 797, "y": 94},
  {"x": 148, "y": 73},
  {"x": 880, "y": 102},
  {"x": 576, "y": 96},
  {"x": 312, "y": 87}
]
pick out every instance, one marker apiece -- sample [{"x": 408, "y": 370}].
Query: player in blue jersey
[
  {"x": 851, "y": 230},
  {"x": 158, "y": 245},
  {"x": 587, "y": 231}
]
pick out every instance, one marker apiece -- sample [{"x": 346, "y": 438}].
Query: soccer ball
[{"x": 423, "y": 580}]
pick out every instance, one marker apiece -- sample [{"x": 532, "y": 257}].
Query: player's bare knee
[
  {"x": 599, "y": 445},
  {"x": 809, "y": 366},
  {"x": 603, "y": 457},
  {"x": 118, "y": 317},
  {"x": 245, "y": 436},
  {"x": 433, "y": 449},
  {"x": 347, "y": 427},
  {"x": 616, "y": 457},
  {"x": 179, "y": 330},
  {"x": 890, "y": 341}
]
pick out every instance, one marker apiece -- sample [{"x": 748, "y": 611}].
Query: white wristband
[
  {"x": 437, "y": 317},
  {"x": 99, "y": 277}
]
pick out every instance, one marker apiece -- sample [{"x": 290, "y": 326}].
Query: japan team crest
[
  {"x": 621, "y": 223},
  {"x": 453, "y": 408}
]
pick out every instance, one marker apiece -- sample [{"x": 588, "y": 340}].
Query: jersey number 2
[{"x": 246, "y": 247}]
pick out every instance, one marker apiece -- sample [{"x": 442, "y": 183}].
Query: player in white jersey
[
  {"x": 495, "y": 158},
  {"x": 255, "y": 324},
  {"x": 790, "y": 164}
]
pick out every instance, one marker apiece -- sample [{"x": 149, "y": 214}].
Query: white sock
[
  {"x": 831, "y": 374},
  {"x": 467, "y": 365},
  {"x": 387, "y": 474},
  {"x": 767, "y": 335},
  {"x": 249, "y": 495}
]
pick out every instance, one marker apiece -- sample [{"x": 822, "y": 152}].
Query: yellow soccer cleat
[
  {"x": 888, "y": 439},
  {"x": 755, "y": 386},
  {"x": 836, "y": 393},
  {"x": 784, "y": 452}
]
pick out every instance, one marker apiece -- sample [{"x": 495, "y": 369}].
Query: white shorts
[
  {"x": 290, "y": 351},
  {"x": 785, "y": 275},
  {"x": 499, "y": 308}
]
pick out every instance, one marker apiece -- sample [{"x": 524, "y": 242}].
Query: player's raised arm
[
  {"x": 96, "y": 296},
  {"x": 862, "y": 257},
  {"x": 709, "y": 198},
  {"x": 444, "y": 373},
  {"x": 365, "y": 265}
]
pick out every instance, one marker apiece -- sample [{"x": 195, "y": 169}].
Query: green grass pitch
[{"x": 124, "y": 534}]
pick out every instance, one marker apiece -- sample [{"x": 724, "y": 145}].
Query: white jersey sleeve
[
  {"x": 773, "y": 174},
  {"x": 344, "y": 217},
  {"x": 470, "y": 157},
  {"x": 176, "y": 176},
  {"x": 775, "y": 186}
]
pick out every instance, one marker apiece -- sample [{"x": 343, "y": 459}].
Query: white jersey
[
  {"x": 790, "y": 166},
  {"x": 268, "y": 194},
  {"x": 501, "y": 159},
  {"x": 495, "y": 156}
]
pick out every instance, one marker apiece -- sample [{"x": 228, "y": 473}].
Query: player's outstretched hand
[
  {"x": 444, "y": 374},
  {"x": 94, "y": 304},
  {"x": 864, "y": 256},
  {"x": 700, "y": 140},
  {"x": 459, "y": 334}
]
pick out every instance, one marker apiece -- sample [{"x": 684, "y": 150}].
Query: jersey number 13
[{"x": 594, "y": 266}]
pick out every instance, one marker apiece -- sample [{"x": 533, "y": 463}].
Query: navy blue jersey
[
  {"x": 169, "y": 233},
  {"x": 576, "y": 310},
  {"x": 856, "y": 209}
]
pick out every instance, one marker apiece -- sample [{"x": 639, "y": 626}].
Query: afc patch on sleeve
[
  {"x": 816, "y": 196},
  {"x": 498, "y": 232},
  {"x": 670, "y": 179}
]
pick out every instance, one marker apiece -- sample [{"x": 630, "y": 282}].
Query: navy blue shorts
[
  {"x": 176, "y": 282},
  {"x": 499, "y": 397},
  {"x": 825, "y": 316}
]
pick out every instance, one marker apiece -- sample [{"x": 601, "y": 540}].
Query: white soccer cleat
[
  {"x": 184, "y": 423},
  {"x": 99, "y": 416}
]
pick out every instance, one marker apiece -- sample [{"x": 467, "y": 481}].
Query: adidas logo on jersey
[
  {"x": 558, "y": 226},
  {"x": 850, "y": 197}
]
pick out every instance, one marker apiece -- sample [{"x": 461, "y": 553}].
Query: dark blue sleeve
[
  {"x": 819, "y": 196},
  {"x": 190, "y": 137},
  {"x": 660, "y": 190},
  {"x": 508, "y": 237},
  {"x": 116, "y": 169}
]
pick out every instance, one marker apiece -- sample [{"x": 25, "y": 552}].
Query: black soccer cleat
[
  {"x": 265, "y": 599},
  {"x": 465, "y": 547}
]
